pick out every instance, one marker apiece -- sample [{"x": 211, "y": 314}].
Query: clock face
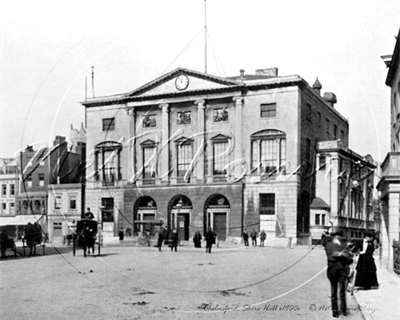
[{"x": 181, "y": 82}]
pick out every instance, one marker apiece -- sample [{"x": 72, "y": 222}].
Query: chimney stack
[
  {"x": 330, "y": 97},
  {"x": 241, "y": 74}
]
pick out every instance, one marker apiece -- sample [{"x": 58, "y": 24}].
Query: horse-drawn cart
[{"x": 87, "y": 236}]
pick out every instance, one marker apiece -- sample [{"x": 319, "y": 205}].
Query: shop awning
[{"x": 20, "y": 220}]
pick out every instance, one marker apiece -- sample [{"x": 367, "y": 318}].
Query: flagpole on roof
[{"x": 205, "y": 36}]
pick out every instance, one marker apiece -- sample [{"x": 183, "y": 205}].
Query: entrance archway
[
  {"x": 216, "y": 215},
  {"x": 179, "y": 215},
  {"x": 145, "y": 208}
]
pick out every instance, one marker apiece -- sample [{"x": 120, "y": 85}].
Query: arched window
[
  {"x": 268, "y": 151},
  {"x": 108, "y": 162}
]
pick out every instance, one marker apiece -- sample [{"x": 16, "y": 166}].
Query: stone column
[
  {"x": 164, "y": 160},
  {"x": 238, "y": 136},
  {"x": 132, "y": 144},
  {"x": 394, "y": 209},
  {"x": 200, "y": 141}
]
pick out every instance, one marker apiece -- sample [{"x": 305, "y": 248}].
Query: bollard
[{"x": 289, "y": 245}]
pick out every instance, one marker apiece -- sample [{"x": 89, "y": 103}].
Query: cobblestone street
[{"x": 141, "y": 283}]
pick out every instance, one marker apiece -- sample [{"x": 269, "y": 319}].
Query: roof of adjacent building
[
  {"x": 394, "y": 62},
  {"x": 318, "y": 203}
]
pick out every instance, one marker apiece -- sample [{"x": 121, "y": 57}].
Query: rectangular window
[
  {"x": 268, "y": 110},
  {"x": 308, "y": 150},
  {"x": 3, "y": 190},
  {"x": 57, "y": 225},
  {"x": 309, "y": 112},
  {"x": 327, "y": 125},
  {"x": 267, "y": 203},
  {"x": 317, "y": 219},
  {"x": 108, "y": 124},
  {"x": 29, "y": 181},
  {"x": 341, "y": 134},
  {"x": 41, "y": 179},
  {"x": 269, "y": 155},
  {"x": 319, "y": 119},
  {"x": 72, "y": 203},
  {"x": 4, "y": 206},
  {"x": 335, "y": 131},
  {"x": 184, "y": 158},
  {"x": 57, "y": 202},
  {"x": 221, "y": 157},
  {"x": 107, "y": 209},
  {"x": 322, "y": 219},
  {"x": 149, "y": 162},
  {"x": 12, "y": 189}
]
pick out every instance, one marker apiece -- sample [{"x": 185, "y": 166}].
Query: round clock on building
[{"x": 181, "y": 82}]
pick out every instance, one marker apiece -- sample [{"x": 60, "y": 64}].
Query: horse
[
  {"x": 7, "y": 243},
  {"x": 33, "y": 237},
  {"x": 85, "y": 236}
]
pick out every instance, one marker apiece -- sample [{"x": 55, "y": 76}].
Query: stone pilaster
[
  {"x": 200, "y": 140},
  {"x": 238, "y": 136},
  {"x": 164, "y": 161},
  {"x": 131, "y": 145},
  {"x": 394, "y": 210}
]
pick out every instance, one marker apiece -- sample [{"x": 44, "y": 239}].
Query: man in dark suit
[
  {"x": 339, "y": 259},
  {"x": 174, "y": 240},
  {"x": 210, "y": 239}
]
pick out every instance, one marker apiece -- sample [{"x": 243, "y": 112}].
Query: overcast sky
[{"x": 49, "y": 47}]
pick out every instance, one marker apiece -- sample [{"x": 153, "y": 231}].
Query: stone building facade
[
  {"x": 389, "y": 186},
  {"x": 199, "y": 151},
  {"x": 344, "y": 191}
]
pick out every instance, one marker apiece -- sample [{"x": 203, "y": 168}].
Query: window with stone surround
[
  {"x": 268, "y": 151},
  {"x": 268, "y": 110},
  {"x": 109, "y": 124},
  {"x": 107, "y": 209},
  {"x": 108, "y": 162},
  {"x": 220, "y": 154},
  {"x": 184, "y": 151},
  {"x": 3, "y": 190},
  {"x": 149, "y": 160}
]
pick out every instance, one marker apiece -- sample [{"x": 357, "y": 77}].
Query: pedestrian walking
[
  {"x": 245, "y": 238},
  {"x": 121, "y": 234},
  {"x": 174, "y": 240},
  {"x": 339, "y": 258},
  {"x": 161, "y": 236},
  {"x": 263, "y": 236},
  {"x": 210, "y": 239},
  {"x": 253, "y": 236},
  {"x": 366, "y": 269}
]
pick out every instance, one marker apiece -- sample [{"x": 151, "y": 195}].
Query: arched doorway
[
  {"x": 216, "y": 215},
  {"x": 145, "y": 208},
  {"x": 179, "y": 215}
]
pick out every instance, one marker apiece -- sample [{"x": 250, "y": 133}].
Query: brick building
[{"x": 199, "y": 151}]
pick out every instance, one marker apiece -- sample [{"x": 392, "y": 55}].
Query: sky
[{"x": 48, "y": 48}]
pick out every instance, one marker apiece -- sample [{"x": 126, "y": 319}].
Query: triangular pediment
[
  {"x": 182, "y": 80},
  {"x": 220, "y": 137}
]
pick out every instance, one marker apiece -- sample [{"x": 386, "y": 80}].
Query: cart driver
[{"x": 89, "y": 214}]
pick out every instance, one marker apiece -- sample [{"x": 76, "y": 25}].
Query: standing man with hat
[{"x": 339, "y": 259}]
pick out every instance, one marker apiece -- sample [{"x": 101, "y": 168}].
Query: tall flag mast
[
  {"x": 205, "y": 36},
  {"x": 93, "y": 81}
]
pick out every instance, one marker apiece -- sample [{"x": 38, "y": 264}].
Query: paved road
[{"x": 142, "y": 283}]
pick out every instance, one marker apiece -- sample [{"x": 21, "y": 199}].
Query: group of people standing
[
  {"x": 254, "y": 236},
  {"x": 340, "y": 255}
]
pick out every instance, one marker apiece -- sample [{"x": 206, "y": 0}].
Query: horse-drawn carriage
[
  {"x": 6, "y": 243},
  {"x": 86, "y": 236}
]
